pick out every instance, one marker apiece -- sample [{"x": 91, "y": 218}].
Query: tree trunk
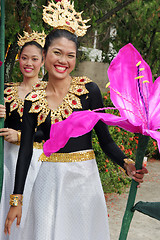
[{"x": 10, "y": 60}]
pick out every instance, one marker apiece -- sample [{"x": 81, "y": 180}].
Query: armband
[
  {"x": 14, "y": 200},
  {"x": 128, "y": 161}
]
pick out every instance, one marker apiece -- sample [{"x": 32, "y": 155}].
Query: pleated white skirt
[
  {"x": 67, "y": 203},
  {"x": 10, "y": 159}
]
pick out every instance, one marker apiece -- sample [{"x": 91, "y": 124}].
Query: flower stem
[{"x": 127, "y": 218}]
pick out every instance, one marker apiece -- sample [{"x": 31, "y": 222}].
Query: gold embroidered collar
[
  {"x": 13, "y": 98},
  {"x": 70, "y": 101}
]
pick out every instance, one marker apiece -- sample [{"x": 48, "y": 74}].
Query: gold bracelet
[
  {"x": 14, "y": 200},
  {"x": 19, "y": 137},
  {"x": 128, "y": 161}
]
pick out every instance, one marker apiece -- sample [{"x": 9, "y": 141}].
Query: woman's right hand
[
  {"x": 2, "y": 111},
  {"x": 14, "y": 212}
]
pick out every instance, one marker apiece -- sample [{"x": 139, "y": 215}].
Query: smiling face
[
  {"x": 60, "y": 58},
  {"x": 30, "y": 61}
]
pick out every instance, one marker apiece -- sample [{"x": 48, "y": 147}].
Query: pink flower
[
  {"x": 132, "y": 92},
  {"x": 1, "y": 63}
]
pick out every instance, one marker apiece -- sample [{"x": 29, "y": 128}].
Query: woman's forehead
[{"x": 63, "y": 43}]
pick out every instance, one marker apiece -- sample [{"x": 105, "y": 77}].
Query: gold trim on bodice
[
  {"x": 13, "y": 98},
  {"x": 70, "y": 101}
]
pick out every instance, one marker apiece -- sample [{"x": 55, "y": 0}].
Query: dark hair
[
  {"x": 31, "y": 43},
  {"x": 59, "y": 33}
]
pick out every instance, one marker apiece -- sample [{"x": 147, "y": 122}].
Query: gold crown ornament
[
  {"x": 62, "y": 15},
  {"x": 34, "y": 36}
]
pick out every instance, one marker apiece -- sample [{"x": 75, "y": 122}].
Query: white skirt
[
  {"x": 67, "y": 203},
  {"x": 10, "y": 159}
]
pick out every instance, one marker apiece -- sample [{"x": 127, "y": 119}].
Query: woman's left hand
[
  {"x": 137, "y": 175},
  {"x": 9, "y": 134}
]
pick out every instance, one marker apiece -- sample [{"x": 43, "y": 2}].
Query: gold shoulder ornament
[
  {"x": 71, "y": 101},
  {"x": 12, "y": 96},
  {"x": 62, "y": 15}
]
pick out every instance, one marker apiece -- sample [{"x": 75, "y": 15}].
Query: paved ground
[{"x": 142, "y": 227}]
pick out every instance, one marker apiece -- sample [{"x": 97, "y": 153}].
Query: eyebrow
[
  {"x": 62, "y": 50},
  {"x": 27, "y": 55}
]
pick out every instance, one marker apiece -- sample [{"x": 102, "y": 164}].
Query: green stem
[{"x": 127, "y": 218}]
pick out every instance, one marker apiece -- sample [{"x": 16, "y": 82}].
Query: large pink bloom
[
  {"x": 1, "y": 63},
  {"x": 132, "y": 92}
]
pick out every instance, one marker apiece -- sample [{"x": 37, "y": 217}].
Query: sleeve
[
  {"x": 26, "y": 148},
  {"x": 7, "y": 105},
  {"x": 7, "y": 115},
  {"x": 39, "y": 135},
  {"x": 107, "y": 144}
]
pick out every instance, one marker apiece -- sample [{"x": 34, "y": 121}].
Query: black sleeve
[
  {"x": 26, "y": 148},
  {"x": 7, "y": 105},
  {"x": 6, "y": 124},
  {"x": 107, "y": 144}
]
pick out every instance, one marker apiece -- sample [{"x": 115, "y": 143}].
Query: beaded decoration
[
  {"x": 71, "y": 101},
  {"x": 12, "y": 96}
]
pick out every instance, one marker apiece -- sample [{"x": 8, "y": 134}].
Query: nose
[
  {"x": 29, "y": 62},
  {"x": 63, "y": 59}
]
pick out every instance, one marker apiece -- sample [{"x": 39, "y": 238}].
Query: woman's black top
[{"x": 91, "y": 100}]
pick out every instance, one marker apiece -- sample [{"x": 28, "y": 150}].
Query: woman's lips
[
  {"x": 28, "y": 70},
  {"x": 60, "y": 69}
]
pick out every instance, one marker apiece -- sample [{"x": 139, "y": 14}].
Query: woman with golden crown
[
  {"x": 67, "y": 200},
  {"x": 30, "y": 62}
]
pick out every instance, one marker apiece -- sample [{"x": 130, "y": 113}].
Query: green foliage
[
  {"x": 137, "y": 23},
  {"x": 112, "y": 176}
]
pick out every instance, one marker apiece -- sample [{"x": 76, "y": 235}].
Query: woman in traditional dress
[
  {"x": 30, "y": 62},
  {"x": 67, "y": 201}
]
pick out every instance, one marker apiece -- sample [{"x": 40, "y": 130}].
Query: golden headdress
[
  {"x": 62, "y": 15},
  {"x": 34, "y": 36}
]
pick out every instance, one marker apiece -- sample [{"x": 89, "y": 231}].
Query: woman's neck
[
  {"x": 26, "y": 86},
  {"x": 29, "y": 82},
  {"x": 59, "y": 86}
]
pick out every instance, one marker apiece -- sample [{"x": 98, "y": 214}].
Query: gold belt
[{"x": 68, "y": 157}]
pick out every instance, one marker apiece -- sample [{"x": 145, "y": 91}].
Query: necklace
[{"x": 70, "y": 101}]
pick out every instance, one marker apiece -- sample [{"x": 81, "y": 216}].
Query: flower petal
[
  {"x": 153, "y": 134},
  {"x": 80, "y": 123},
  {"x": 154, "y": 105},
  {"x": 123, "y": 85}
]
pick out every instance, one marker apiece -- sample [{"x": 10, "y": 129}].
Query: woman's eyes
[
  {"x": 33, "y": 59},
  {"x": 71, "y": 56},
  {"x": 57, "y": 53}
]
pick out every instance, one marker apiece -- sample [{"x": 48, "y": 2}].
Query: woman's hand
[
  {"x": 137, "y": 175},
  {"x": 14, "y": 212},
  {"x": 2, "y": 111},
  {"x": 9, "y": 134}
]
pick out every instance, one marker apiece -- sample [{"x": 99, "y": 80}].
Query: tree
[{"x": 135, "y": 21}]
